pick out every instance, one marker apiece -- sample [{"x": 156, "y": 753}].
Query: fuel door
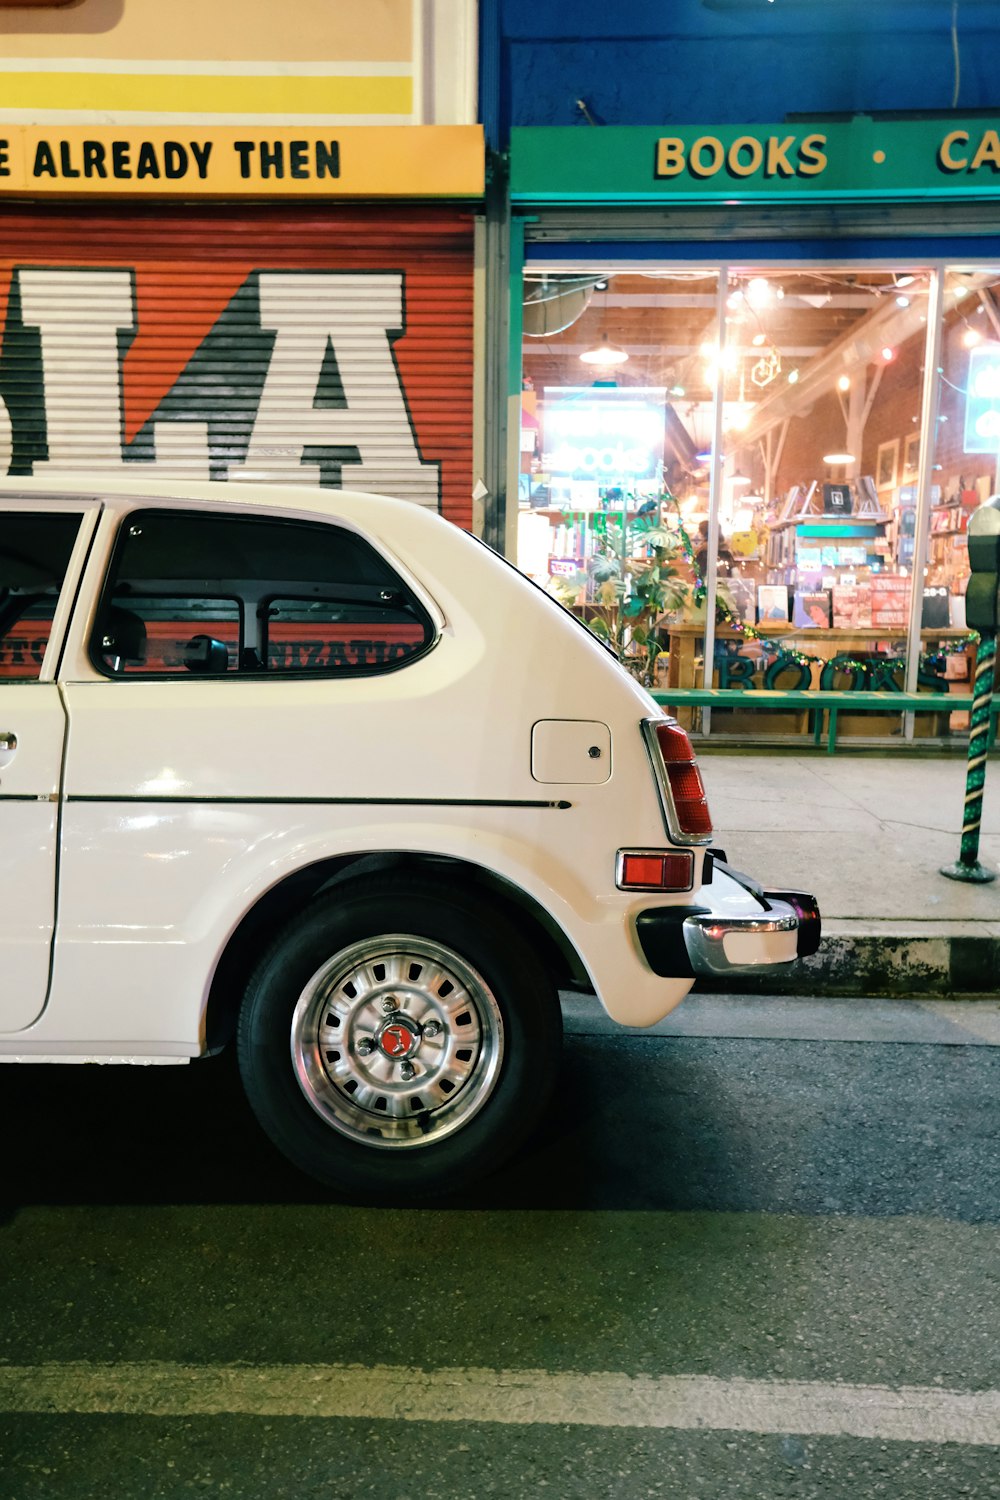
[{"x": 570, "y": 751}]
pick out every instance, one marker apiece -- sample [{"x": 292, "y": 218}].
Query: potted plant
[{"x": 641, "y": 573}]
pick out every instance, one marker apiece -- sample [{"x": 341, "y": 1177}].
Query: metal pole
[
  {"x": 930, "y": 398},
  {"x": 499, "y": 472},
  {"x": 967, "y": 867},
  {"x": 715, "y": 491}
]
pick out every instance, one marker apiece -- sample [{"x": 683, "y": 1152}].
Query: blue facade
[{"x": 646, "y": 62}]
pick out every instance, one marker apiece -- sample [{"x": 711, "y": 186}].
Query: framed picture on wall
[
  {"x": 886, "y": 461},
  {"x": 911, "y": 457}
]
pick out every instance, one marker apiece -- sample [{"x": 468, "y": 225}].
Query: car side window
[
  {"x": 34, "y": 553},
  {"x": 225, "y": 596}
]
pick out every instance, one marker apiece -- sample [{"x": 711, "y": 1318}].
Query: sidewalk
[{"x": 867, "y": 834}]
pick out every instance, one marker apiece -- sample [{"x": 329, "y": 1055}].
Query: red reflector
[
  {"x": 647, "y": 870},
  {"x": 678, "y": 872},
  {"x": 642, "y": 869}
]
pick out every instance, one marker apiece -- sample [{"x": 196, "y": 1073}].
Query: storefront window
[
  {"x": 965, "y": 453},
  {"x": 607, "y": 446},
  {"x": 809, "y": 385}
]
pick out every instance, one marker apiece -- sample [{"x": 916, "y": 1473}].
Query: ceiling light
[
  {"x": 888, "y": 353},
  {"x": 758, "y": 339},
  {"x": 902, "y": 300},
  {"x": 604, "y": 353},
  {"x": 971, "y": 337},
  {"x": 844, "y": 383},
  {"x": 838, "y": 458},
  {"x": 905, "y": 280},
  {"x": 739, "y": 478},
  {"x": 758, "y": 292},
  {"x": 793, "y": 376}
]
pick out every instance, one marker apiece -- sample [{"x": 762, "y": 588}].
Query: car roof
[{"x": 358, "y": 506}]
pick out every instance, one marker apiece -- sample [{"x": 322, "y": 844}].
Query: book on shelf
[
  {"x": 890, "y": 600},
  {"x": 935, "y": 613},
  {"x": 744, "y": 596},
  {"x": 811, "y": 610},
  {"x": 852, "y": 606},
  {"x": 837, "y": 500},
  {"x": 772, "y": 602}
]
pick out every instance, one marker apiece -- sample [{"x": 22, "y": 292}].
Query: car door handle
[{"x": 8, "y": 741}]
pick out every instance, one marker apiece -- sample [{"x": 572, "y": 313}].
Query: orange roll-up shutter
[{"x": 282, "y": 343}]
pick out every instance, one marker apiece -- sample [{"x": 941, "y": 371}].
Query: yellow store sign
[{"x": 363, "y": 161}]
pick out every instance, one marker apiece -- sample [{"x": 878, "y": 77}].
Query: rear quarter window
[{"x": 225, "y": 596}]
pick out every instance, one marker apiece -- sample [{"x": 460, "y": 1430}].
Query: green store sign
[{"x": 859, "y": 158}]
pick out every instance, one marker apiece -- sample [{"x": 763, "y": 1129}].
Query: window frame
[{"x": 87, "y": 513}]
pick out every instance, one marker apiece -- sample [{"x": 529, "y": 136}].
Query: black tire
[{"x": 399, "y": 1039}]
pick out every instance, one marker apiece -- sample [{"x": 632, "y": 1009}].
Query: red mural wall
[{"x": 328, "y": 346}]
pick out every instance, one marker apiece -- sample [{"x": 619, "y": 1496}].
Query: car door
[{"x": 41, "y": 553}]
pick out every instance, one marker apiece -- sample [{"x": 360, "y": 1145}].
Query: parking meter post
[
  {"x": 982, "y": 606},
  {"x": 967, "y": 866}
]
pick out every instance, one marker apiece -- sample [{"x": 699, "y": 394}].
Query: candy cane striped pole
[{"x": 968, "y": 867}]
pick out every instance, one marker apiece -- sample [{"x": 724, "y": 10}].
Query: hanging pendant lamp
[{"x": 604, "y": 353}]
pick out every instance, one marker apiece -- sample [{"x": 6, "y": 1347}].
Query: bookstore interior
[{"x": 784, "y": 447}]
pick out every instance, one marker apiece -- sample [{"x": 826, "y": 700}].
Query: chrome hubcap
[{"x": 396, "y": 1041}]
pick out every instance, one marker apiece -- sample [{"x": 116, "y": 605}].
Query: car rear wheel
[{"x": 399, "y": 1040}]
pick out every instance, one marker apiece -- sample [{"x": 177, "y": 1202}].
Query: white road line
[{"x": 909, "y": 1414}]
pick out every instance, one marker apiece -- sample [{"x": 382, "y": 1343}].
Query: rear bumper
[{"x": 744, "y": 928}]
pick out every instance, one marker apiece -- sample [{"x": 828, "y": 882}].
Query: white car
[{"x": 320, "y": 772}]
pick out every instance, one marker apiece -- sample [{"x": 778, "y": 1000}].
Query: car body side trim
[{"x": 316, "y": 801}]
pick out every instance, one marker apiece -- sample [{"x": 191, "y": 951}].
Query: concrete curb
[{"x": 885, "y": 964}]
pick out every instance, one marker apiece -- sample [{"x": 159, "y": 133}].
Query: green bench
[{"x": 818, "y": 701}]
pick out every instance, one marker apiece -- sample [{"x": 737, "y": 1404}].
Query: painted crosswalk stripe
[{"x": 911, "y": 1414}]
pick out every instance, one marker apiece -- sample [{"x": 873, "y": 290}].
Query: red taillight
[{"x": 684, "y": 779}]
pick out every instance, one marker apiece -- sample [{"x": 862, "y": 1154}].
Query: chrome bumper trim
[{"x": 705, "y": 934}]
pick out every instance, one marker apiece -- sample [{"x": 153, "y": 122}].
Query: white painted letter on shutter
[{"x": 366, "y": 434}]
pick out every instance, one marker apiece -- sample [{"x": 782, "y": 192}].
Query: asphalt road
[{"x": 730, "y": 1265}]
